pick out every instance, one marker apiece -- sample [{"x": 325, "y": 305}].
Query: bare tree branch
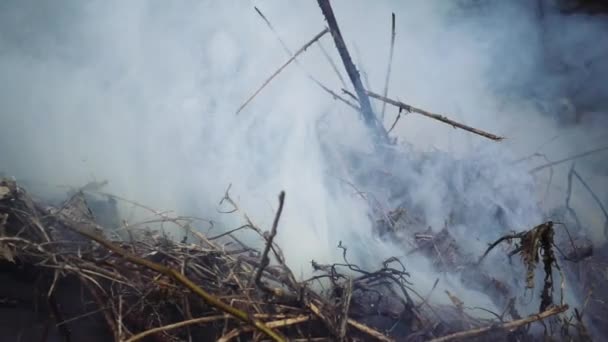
[
  {"x": 370, "y": 119},
  {"x": 438, "y": 117},
  {"x": 302, "y": 49},
  {"x": 390, "y": 64}
]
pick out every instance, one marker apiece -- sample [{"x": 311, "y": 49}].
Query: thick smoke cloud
[{"x": 143, "y": 94}]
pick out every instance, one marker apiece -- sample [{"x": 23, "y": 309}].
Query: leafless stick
[
  {"x": 576, "y": 156},
  {"x": 290, "y": 53},
  {"x": 390, "y": 64},
  {"x": 438, "y": 117},
  {"x": 424, "y": 300},
  {"x": 371, "y": 332},
  {"x": 352, "y": 96},
  {"x": 177, "y": 325},
  {"x": 302, "y": 49},
  {"x": 597, "y": 199},
  {"x": 274, "y": 324},
  {"x": 569, "y": 196},
  {"x": 332, "y": 63},
  {"x": 336, "y": 96},
  {"x": 496, "y": 243},
  {"x": 345, "y": 307},
  {"x": 119, "y": 320},
  {"x": 396, "y": 120},
  {"x": 353, "y": 74},
  {"x": 508, "y": 326},
  {"x": 364, "y": 75},
  {"x": 100, "y": 303},
  {"x": 273, "y": 232}
]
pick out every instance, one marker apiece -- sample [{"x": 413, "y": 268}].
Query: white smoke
[{"x": 144, "y": 94}]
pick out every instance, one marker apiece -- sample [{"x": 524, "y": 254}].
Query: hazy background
[{"x": 144, "y": 94}]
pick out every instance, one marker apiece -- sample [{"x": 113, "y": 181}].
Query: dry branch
[
  {"x": 332, "y": 64},
  {"x": 509, "y": 326},
  {"x": 595, "y": 198},
  {"x": 567, "y": 159},
  {"x": 438, "y": 117},
  {"x": 274, "y": 324},
  {"x": 273, "y": 232},
  {"x": 366, "y": 108},
  {"x": 177, "y": 325},
  {"x": 300, "y": 51},
  {"x": 137, "y": 283},
  {"x": 390, "y": 64},
  {"x": 312, "y": 78}
]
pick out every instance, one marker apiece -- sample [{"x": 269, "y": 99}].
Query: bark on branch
[
  {"x": 438, "y": 117},
  {"x": 508, "y": 326},
  {"x": 369, "y": 118}
]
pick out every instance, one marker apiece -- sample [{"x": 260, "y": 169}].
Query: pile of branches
[{"x": 94, "y": 285}]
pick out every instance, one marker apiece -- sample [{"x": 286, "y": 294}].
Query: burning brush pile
[
  {"x": 69, "y": 272},
  {"x": 68, "y": 278}
]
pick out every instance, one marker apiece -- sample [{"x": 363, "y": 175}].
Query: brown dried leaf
[
  {"x": 4, "y": 192},
  {"x": 455, "y": 300},
  {"x": 6, "y": 253}
]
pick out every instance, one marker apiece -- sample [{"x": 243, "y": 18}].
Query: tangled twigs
[
  {"x": 438, "y": 117},
  {"x": 508, "y": 326},
  {"x": 180, "y": 278}
]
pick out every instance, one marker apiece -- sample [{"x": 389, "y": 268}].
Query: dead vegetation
[
  {"x": 74, "y": 278},
  {"x": 151, "y": 288}
]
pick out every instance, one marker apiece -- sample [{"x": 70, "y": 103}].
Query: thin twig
[
  {"x": 371, "y": 332},
  {"x": 273, "y": 232},
  {"x": 569, "y": 197},
  {"x": 509, "y": 326},
  {"x": 390, "y": 64},
  {"x": 332, "y": 63},
  {"x": 312, "y": 78},
  {"x": 438, "y": 117},
  {"x": 348, "y": 289},
  {"x": 274, "y": 324},
  {"x": 177, "y": 325},
  {"x": 291, "y": 59},
  {"x": 395, "y": 122},
  {"x": 592, "y": 193},
  {"x": 576, "y": 156}
]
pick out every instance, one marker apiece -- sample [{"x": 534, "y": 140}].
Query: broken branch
[
  {"x": 509, "y": 326},
  {"x": 312, "y": 78},
  {"x": 390, "y": 64},
  {"x": 302, "y": 49},
  {"x": 273, "y": 232},
  {"x": 366, "y": 107},
  {"x": 438, "y": 117},
  {"x": 595, "y": 197},
  {"x": 576, "y": 156},
  {"x": 182, "y": 279}
]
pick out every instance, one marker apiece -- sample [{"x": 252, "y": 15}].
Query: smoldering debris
[
  {"x": 77, "y": 269},
  {"x": 78, "y": 280}
]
